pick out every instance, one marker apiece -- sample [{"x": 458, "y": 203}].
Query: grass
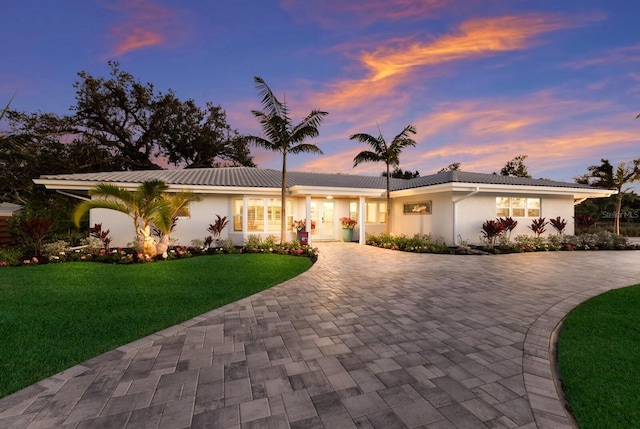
[
  {"x": 599, "y": 355},
  {"x": 58, "y": 315}
]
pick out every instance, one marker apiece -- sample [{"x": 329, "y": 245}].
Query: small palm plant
[
  {"x": 148, "y": 205},
  {"x": 509, "y": 224},
  {"x": 559, "y": 224},
  {"x": 491, "y": 230},
  {"x": 538, "y": 226},
  {"x": 216, "y": 229}
]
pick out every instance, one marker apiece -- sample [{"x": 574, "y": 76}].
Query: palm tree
[
  {"x": 177, "y": 203},
  {"x": 389, "y": 153},
  {"x": 6, "y": 108},
  {"x": 625, "y": 173},
  {"x": 284, "y": 137},
  {"x": 147, "y": 205}
]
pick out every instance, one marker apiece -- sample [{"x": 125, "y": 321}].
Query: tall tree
[
  {"x": 381, "y": 151},
  {"x": 398, "y": 173},
  {"x": 136, "y": 124},
  {"x": 280, "y": 135},
  {"x": 516, "y": 167},
  {"x": 605, "y": 176},
  {"x": 454, "y": 166}
]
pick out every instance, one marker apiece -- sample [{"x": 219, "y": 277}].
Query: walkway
[{"x": 368, "y": 338}]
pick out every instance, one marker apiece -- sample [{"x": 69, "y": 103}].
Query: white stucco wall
[
  {"x": 474, "y": 211},
  {"x": 438, "y": 223},
  {"x": 203, "y": 213}
]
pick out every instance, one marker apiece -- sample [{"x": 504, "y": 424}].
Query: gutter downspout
[{"x": 455, "y": 202}]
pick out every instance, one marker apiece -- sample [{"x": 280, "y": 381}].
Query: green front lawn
[
  {"x": 58, "y": 315},
  {"x": 599, "y": 359}
]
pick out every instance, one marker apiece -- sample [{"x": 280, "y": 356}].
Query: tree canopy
[
  {"x": 516, "y": 167},
  {"x": 140, "y": 126},
  {"x": 398, "y": 173},
  {"x": 454, "y": 166},
  {"x": 117, "y": 123}
]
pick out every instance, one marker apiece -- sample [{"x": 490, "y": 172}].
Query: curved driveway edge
[{"x": 367, "y": 338}]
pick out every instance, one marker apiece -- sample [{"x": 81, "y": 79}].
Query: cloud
[
  {"x": 623, "y": 55},
  {"x": 390, "y": 65},
  {"x": 555, "y": 133},
  {"x": 474, "y": 38},
  {"x": 145, "y": 24}
]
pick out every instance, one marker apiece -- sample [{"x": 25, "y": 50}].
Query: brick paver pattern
[{"x": 367, "y": 338}]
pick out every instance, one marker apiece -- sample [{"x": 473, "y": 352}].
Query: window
[
  {"x": 533, "y": 207},
  {"x": 260, "y": 210},
  {"x": 353, "y": 210},
  {"x": 237, "y": 215},
  {"x": 382, "y": 209},
  {"x": 184, "y": 212},
  {"x": 372, "y": 212},
  {"x": 517, "y": 207},
  {"x": 255, "y": 214},
  {"x": 376, "y": 212},
  {"x": 274, "y": 215},
  {"x": 502, "y": 207}
]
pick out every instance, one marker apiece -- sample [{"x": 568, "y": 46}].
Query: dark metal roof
[
  {"x": 268, "y": 178},
  {"x": 482, "y": 179}
]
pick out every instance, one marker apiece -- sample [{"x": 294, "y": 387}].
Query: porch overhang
[{"x": 323, "y": 191}]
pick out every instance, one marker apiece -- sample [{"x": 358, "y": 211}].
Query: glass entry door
[{"x": 322, "y": 214}]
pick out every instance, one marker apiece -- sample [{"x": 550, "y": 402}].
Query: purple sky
[{"x": 483, "y": 81}]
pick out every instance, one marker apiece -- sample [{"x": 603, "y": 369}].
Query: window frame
[{"x": 526, "y": 206}]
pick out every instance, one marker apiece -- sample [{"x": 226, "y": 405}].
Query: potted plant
[
  {"x": 301, "y": 226},
  {"x": 347, "y": 228}
]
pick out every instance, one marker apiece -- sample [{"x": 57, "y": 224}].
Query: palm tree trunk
[
  {"x": 388, "y": 208},
  {"x": 283, "y": 209},
  {"x": 616, "y": 220},
  {"x": 163, "y": 245}
]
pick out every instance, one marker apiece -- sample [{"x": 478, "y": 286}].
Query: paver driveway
[{"x": 368, "y": 338}]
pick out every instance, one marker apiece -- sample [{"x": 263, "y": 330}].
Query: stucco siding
[
  {"x": 438, "y": 223},
  {"x": 472, "y": 212}
]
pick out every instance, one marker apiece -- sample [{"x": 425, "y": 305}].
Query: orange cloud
[
  {"x": 145, "y": 24},
  {"x": 391, "y": 65},
  {"x": 475, "y": 38}
]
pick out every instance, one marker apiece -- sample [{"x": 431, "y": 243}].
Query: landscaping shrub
[
  {"x": 10, "y": 257},
  {"x": 55, "y": 249},
  {"x": 420, "y": 243}
]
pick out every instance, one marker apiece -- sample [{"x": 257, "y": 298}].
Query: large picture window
[
  {"x": 263, "y": 214},
  {"x": 517, "y": 207}
]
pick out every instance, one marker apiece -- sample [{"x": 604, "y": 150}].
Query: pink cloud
[{"x": 145, "y": 24}]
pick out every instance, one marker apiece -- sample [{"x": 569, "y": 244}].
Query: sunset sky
[{"x": 482, "y": 80}]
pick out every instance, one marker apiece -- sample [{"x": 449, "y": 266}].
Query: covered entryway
[{"x": 323, "y": 216}]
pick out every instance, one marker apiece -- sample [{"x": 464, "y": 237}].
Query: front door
[{"x": 322, "y": 214}]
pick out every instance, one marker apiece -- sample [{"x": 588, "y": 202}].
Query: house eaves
[
  {"x": 576, "y": 192},
  {"x": 336, "y": 191}
]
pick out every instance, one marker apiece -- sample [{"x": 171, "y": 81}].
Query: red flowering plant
[
  {"x": 347, "y": 222},
  {"x": 301, "y": 225}
]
